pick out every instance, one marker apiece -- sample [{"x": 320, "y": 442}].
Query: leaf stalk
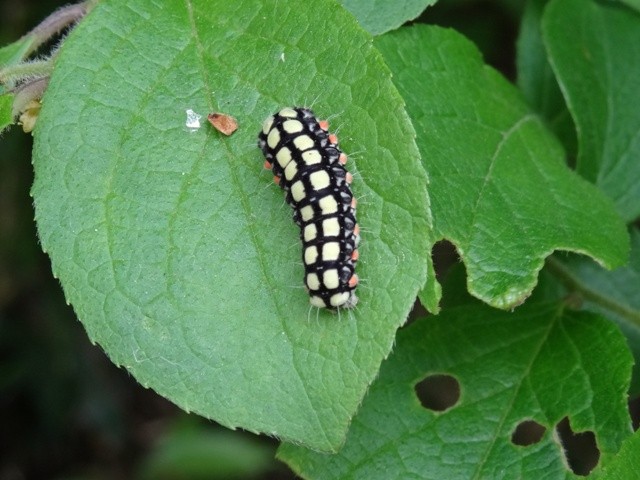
[{"x": 575, "y": 286}]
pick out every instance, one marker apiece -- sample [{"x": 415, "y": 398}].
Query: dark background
[{"x": 65, "y": 410}]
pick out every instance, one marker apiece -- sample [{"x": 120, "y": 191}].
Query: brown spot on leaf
[{"x": 222, "y": 122}]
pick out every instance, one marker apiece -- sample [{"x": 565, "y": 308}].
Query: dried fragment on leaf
[{"x": 222, "y": 122}]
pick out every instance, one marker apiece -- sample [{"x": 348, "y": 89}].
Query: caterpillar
[{"x": 309, "y": 166}]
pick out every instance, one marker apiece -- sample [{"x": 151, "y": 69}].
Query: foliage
[
  {"x": 379, "y": 16},
  {"x": 394, "y": 433},
  {"x": 182, "y": 264},
  {"x": 210, "y": 302}
]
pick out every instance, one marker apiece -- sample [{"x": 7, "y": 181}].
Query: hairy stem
[
  {"x": 14, "y": 73},
  {"x": 56, "y": 22}
]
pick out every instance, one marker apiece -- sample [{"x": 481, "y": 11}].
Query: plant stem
[
  {"x": 56, "y": 22},
  {"x": 574, "y": 284},
  {"x": 14, "y": 73}
]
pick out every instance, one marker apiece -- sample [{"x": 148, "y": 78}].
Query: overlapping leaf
[
  {"x": 537, "y": 81},
  {"x": 540, "y": 363},
  {"x": 379, "y": 16},
  {"x": 178, "y": 254},
  {"x": 615, "y": 294},
  {"x": 594, "y": 48},
  {"x": 500, "y": 188}
]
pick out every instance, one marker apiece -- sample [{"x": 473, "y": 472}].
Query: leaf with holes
[
  {"x": 178, "y": 253},
  {"x": 379, "y": 16},
  {"x": 500, "y": 189},
  {"x": 594, "y": 49},
  {"x": 538, "y": 364}
]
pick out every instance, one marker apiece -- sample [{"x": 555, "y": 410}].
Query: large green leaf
[
  {"x": 176, "y": 251},
  {"x": 379, "y": 16},
  {"x": 500, "y": 189},
  {"x": 540, "y": 363},
  {"x": 594, "y": 48}
]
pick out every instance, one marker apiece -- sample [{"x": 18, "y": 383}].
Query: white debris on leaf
[{"x": 193, "y": 120}]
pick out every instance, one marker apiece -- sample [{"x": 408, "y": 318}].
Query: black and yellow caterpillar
[{"x": 309, "y": 166}]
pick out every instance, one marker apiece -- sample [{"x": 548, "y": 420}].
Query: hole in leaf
[
  {"x": 527, "y": 433},
  {"x": 580, "y": 449},
  {"x": 438, "y": 392},
  {"x": 444, "y": 256},
  {"x": 417, "y": 312}
]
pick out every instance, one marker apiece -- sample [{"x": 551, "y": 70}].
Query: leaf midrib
[{"x": 243, "y": 199}]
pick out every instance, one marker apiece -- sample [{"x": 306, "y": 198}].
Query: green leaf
[
  {"x": 6, "y": 117},
  {"x": 537, "y": 81},
  {"x": 10, "y": 55},
  {"x": 15, "y": 52},
  {"x": 540, "y": 363},
  {"x": 196, "y": 451},
  {"x": 432, "y": 293},
  {"x": 178, "y": 253},
  {"x": 500, "y": 189},
  {"x": 614, "y": 294},
  {"x": 594, "y": 49},
  {"x": 625, "y": 465},
  {"x": 379, "y": 16},
  {"x": 635, "y": 4}
]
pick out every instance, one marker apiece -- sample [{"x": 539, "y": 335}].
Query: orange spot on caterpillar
[
  {"x": 276, "y": 180},
  {"x": 324, "y": 124},
  {"x": 348, "y": 177},
  {"x": 353, "y": 281},
  {"x": 333, "y": 139},
  {"x": 267, "y": 164},
  {"x": 342, "y": 159},
  {"x": 355, "y": 255}
]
